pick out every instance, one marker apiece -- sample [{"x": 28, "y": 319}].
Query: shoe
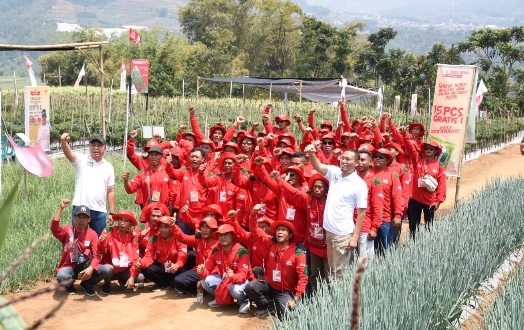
[
  {"x": 244, "y": 307},
  {"x": 88, "y": 288},
  {"x": 161, "y": 287},
  {"x": 213, "y": 304},
  {"x": 261, "y": 313},
  {"x": 106, "y": 289},
  {"x": 156, "y": 288},
  {"x": 70, "y": 290},
  {"x": 180, "y": 291}
]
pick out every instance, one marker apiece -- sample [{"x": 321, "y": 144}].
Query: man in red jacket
[
  {"x": 231, "y": 260},
  {"x": 165, "y": 257},
  {"x": 80, "y": 253},
  {"x": 422, "y": 199},
  {"x": 285, "y": 269}
]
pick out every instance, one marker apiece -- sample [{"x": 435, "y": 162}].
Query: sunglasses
[
  {"x": 291, "y": 174},
  {"x": 430, "y": 148},
  {"x": 377, "y": 156},
  {"x": 248, "y": 142},
  {"x": 328, "y": 142}
]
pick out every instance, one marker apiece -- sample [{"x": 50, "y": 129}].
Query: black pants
[
  {"x": 155, "y": 273},
  {"x": 415, "y": 210},
  {"x": 187, "y": 281},
  {"x": 263, "y": 295}
]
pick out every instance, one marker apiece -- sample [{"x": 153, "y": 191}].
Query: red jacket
[
  {"x": 161, "y": 251},
  {"x": 315, "y": 240},
  {"x": 255, "y": 247},
  {"x": 189, "y": 187},
  {"x": 285, "y": 268},
  {"x": 433, "y": 168},
  {"x": 153, "y": 185},
  {"x": 87, "y": 243},
  {"x": 258, "y": 191},
  {"x": 405, "y": 177},
  {"x": 286, "y": 210},
  {"x": 121, "y": 251},
  {"x": 202, "y": 247},
  {"x": 373, "y": 219},
  {"x": 142, "y": 162},
  {"x": 392, "y": 194},
  {"x": 220, "y": 191}
]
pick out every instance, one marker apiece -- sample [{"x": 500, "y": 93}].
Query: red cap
[
  {"x": 288, "y": 224},
  {"x": 327, "y": 123},
  {"x": 212, "y": 223},
  {"x": 288, "y": 151},
  {"x": 233, "y": 145},
  {"x": 223, "y": 229},
  {"x": 294, "y": 169},
  {"x": 289, "y": 136},
  {"x": 420, "y": 125},
  {"x": 150, "y": 144},
  {"x": 385, "y": 152},
  {"x": 190, "y": 133},
  {"x": 366, "y": 146},
  {"x": 146, "y": 212},
  {"x": 222, "y": 159},
  {"x": 213, "y": 208},
  {"x": 433, "y": 144},
  {"x": 126, "y": 214},
  {"x": 209, "y": 143},
  {"x": 283, "y": 118},
  {"x": 315, "y": 177},
  {"x": 247, "y": 136},
  {"x": 265, "y": 219},
  {"x": 213, "y": 128},
  {"x": 396, "y": 146},
  {"x": 366, "y": 138},
  {"x": 165, "y": 219}
]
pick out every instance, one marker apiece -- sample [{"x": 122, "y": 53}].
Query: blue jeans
[
  {"x": 97, "y": 222},
  {"x": 236, "y": 291},
  {"x": 185, "y": 227},
  {"x": 386, "y": 235},
  {"x": 67, "y": 273}
]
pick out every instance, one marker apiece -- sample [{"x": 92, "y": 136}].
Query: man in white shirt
[
  {"x": 347, "y": 191},
  {"x": 94, "y": 181},
  {"x": 44, "y": 133}
]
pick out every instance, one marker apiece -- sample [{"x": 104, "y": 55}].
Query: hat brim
[
  {"x": 209, "y": 209},
  {"x": 275, "y": 224},
  {"x": 126, "y": 216}
]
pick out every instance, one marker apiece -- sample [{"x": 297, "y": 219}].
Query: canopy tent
[{"x": 316, "y": 90}]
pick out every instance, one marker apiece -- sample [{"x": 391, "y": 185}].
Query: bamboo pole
[{"x": 102, "y": 105}]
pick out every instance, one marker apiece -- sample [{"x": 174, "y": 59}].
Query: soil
[{"x": 169, "y": 310}]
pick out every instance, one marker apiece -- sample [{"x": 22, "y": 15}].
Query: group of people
[{"x": 250, "y": 217}]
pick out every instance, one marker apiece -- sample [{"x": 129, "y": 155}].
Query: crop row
[{"x": 423, "y": 284}]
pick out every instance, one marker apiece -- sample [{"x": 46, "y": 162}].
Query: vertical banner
[
  {"x": 37, "y": 101},
  {"x": 140, "y": 75},
  {"x": 472, "y": 117},
  {"x": 414, "y": 98},
  {"x": 396, "y": 103},
  {"x": 451, "y": 102}
]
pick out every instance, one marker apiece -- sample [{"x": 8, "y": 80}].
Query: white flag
[
  {"x": 343, "y": 83},
  {"x": 380, "y": 99},
  {"x": 80, "y": 75},
  {"x": 123, "y": 74},
  {"x": 481, "y": 90},
  {"x": 28, "y": 64}
]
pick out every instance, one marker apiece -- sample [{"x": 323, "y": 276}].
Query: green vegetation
[{"x": 424, "y": 284}]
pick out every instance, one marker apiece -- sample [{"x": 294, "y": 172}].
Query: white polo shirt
[
  {"x": 92, "y": 181},
  {"x": 344, "y": 195}
]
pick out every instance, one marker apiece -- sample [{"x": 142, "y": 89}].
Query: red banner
[{"x": 140, "y": 75}]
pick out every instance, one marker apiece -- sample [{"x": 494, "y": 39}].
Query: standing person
[
  {"x": 80, "y": 253},
  {"x": 347, "y": 191},
  {"x": 422, "y": 199},
  {"x": 94, "y": 180},
  {"x": 44, "y": 133}
]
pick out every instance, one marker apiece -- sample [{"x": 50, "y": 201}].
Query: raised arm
[
  {"x": 315, "y": 162},
  {"x": 65, "y": 138},
  {"x": 194, "y": 124}
]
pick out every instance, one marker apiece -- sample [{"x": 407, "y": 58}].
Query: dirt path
[{"x": 169, "y": 310}]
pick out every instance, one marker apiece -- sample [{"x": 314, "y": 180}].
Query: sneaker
[
  {"x": 161, "y": 287},
  {"x": 180, "y": 291},
  {"x": 88, "y": 288},
  {"x": 106, "y": 289},
  {"x": 213, "y": 304},
  {"x": 244, "y": 307},
  {"x": 70, "y": 290},
  {"x": 261, "y": 313},
  {"x": 156, "y": 288}
]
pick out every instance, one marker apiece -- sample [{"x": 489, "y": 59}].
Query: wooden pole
[
  {"x": 198, "y": 87},
  {"x": 457, "y": 189},
  {"x": 102, "y": 107}
]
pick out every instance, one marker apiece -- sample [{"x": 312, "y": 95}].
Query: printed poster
[
  {"x": 140, "y": 75},
  {"x": 37, "y": 115},
  {"x": 451, "y": 105}
]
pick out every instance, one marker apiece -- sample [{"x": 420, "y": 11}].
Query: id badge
[
  {"x": 262, "y": 209},
  {"x": 155, "y": 196},
  {"x": 223, "y": 196},
  {"x": 420, "y": 184},
  {"x": 72, "y": 257},
  {"x": 318, "y": 233},
  {"x": 194, "y": 196},
  {"x": 290, "y": 214},
  {"x": 277, "y": 275}
]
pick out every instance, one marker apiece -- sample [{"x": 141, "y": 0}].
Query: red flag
[
  {"x": 134, "y": 36},
  {"x": 33, "y": 159}
]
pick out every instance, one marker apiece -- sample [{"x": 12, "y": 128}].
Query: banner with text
[
  {"x": 140, "y": 75},
  {"x": 451, "y": 103},
  {"x": 37, "y": 115}
]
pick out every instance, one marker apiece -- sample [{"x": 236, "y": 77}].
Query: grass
[{"x": 33, "y": 211}]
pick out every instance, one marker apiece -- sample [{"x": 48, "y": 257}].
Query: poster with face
[{"x": 37, "y": 115}]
